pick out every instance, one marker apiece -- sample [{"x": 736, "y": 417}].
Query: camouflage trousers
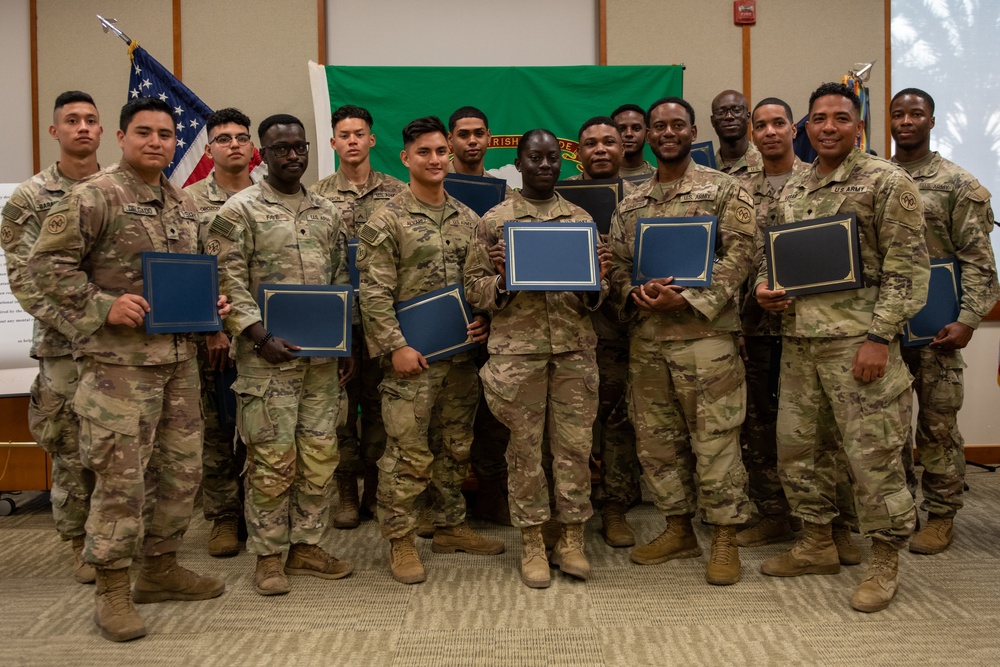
[
  {"x": 553, "y": 395},
  {"x": 687, "y": 401},
  {"x": 620, "y": 470},
  {"x": 489, "y": 439},
  {"x": 223, "y": 456},
  {"x": 938, "y": 383},
  {"x": 819, "y": 395},
  {"x": 55, "y": 428},
  {"x": 287, "y": 417},
  {"x": 428, "y": 423},
  {"x": 141, "y": 434},
  {"x": 359, "y": 451}
]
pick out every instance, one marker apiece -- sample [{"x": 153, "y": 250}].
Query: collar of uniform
[
  {"x": 215, "y": 192},
  {"x": 143, "y": 193},
  {"x": 414, "y": 206},
  {"x": 53, "y": 180},
  {"x": 522, "y": 208},
  {"x": 839, "y": 175},
  {"x": 269, "y": 195},
  {"x": 751, "y": 160},
  {"x": 762, "y": 186},
  {"x": 452, "y": 170},
  {"x": 343, "y": 184},
  {"x": 925, "y": 167},
  {"x": 684, "y": 184}
]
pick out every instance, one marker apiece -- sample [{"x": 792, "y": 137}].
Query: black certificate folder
[
  {"x": 680, "y": 247},
  {"x": 480, "y": 193},
  {"x": 182, "y": 292},
  {"x": 435, "y": 324},
  {"x": 599, "y": 197},
  {"x": 814, "y": 256},
  {"x": 552, "y": 256},
  {"x": 317, "y": 318},
  {"x": 944, "y": 299}
]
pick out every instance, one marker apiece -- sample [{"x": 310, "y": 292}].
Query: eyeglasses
[
  {"x": 736, "y": 111},
  {"x": 225, "y": 139},
  {"x": 281, "y": 150}
]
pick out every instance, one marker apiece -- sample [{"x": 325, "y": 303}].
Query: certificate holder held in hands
[
  {"x": 944, "y": 300},
  {"x": 597, "y": 196},
  {"x": 316, "y": 318},
  {"x": 682, "y": 248},
  {"x": 552, "y": 256},
  {"x": 814, "y": 256},
  {"x": 480, "y": 193},
  {"x": 182, "y": 291},
  {"x": 436, "y": 324}
]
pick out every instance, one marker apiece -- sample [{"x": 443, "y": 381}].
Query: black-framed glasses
[
  {"x": 281, "y": 150},
  {"x": 735, "y": 111},
  {"x": 226, "y": 139}
]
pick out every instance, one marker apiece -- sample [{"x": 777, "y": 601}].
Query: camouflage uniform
[
  {"x": 822, "y": 334},
  {"x": 287, "y": 415},
  {"x": 686, "y": 384},
  {"x": 138, "y": 397},
  {"x": 53, "y": 423},
  {"x": 959, "y": 219},
  {"x": 542, "y": 375},
  {"x": 644, "y": 168},
  {"x": 407, "y": 249},
  {"x": 746, "y": 169}
]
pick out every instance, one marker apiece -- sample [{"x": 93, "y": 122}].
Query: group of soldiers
[{"x": 682, "y": 384}]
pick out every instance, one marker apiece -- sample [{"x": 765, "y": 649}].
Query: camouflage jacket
[
  {"x": 357, "y": 203},
  {"x": 701, "y": 191},
  {"x": 89, "y": 253},
  {"x": 403, "y": 253},
  {"x": 644, "y": 168},
  {"x": 893, "y": 251},
  {"x": 959, "y": 220},
  {"x": 23, "y": 217},
  {"x": 529, "y": 322},
  {"x": 746, "y": 169},
  {"x": 208, "y": 197},
  {"x": 260, "y": 241}
]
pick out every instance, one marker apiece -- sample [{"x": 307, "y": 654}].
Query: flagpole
[{"x": 108, "y": 26}]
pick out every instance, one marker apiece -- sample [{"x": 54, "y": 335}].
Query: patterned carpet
[{"x": 473, "y": 610}]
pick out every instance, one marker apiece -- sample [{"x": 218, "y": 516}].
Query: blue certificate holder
[
  {"x": 814, "y": 256},
  {"x": 944, "y": 299},
  {"x": 680, "y": 247},
  {"x": 479, "y": 193},
  {"x": 552, "y": 256},
  {"x": 435, "y": 324},
  {"x": 182, "y": 291},
  {"x": 317, "y": 318},
  {"x": 352, "y": 264},
  {"x": 703, "y": 153}
]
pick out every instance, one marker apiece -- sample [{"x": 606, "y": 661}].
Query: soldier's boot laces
[
  {"x": 935, "y": 537},
  {"x": 677, "y": 541},
  {"x": 83, "y": 572},
  {"x": 346, "y": 515},
  {"x": 369, "y": 501},
  {"x": 551, "y": 532},
  {"x": 268, "y": 577},
  {"x": 614, "y": 526},
  {"x": 724, "y": 559},
  {"x": 879, "y": 586},
  {"x": 163, "y": 578},
  {"x": 404, "y": 563},
  {"x": 568, "y": 553},
  {"x": 847, "y": 551},
  {"x": 449, "y": 539},
  {"x": 312, "y": 560},
  {"x": 814, "y": 553},
  {"x": 771, "y": 529},
  {"x": 534, "y": 564},
  {"x": 114, "y": 612},
  {"x": 224, "y": 540}
]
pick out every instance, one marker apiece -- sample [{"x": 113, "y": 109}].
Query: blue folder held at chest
[
  {"x": 182, "y": 291},
  {"x": 317, "y": 318},
  {"x": 435, "y": 324},
  {"x": 683, "y": 248}
]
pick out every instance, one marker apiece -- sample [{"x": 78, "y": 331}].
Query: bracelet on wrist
[
  {"x": 877, "y": 339},
  {"x": 262, "y": 342}
]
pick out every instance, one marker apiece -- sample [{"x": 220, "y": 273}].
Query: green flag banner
[{"x": 515, "y": 99}]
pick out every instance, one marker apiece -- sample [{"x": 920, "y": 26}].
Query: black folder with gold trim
[
  {"x": 814, "y": 256},
  {"x": 944, "y": 301},
  {"x": 182, "y": 291},
  {"x": 683, "y": 248},
  {"x": 597, "y": 196},
  {"x": 317, "y": 318},
  {"x": 435, "y": 324},
  {"x": 480, "y": 193}
]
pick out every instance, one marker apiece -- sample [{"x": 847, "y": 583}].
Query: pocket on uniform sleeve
[{"x": 253, "y": 420}]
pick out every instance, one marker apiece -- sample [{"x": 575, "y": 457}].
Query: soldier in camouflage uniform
[
  {"x": 735, "y": 155},
  {"x": 840, "y": 353},
  {"x": 959, "y": 219},
  {"x": 631, "y": 121},
  {"x": 357, "y": 191},
  {"x": 288, "y": 406},
  {"x": 415, "y": 244},
  {"x": 137, "y": 398},
  {"x": 76, "y": 125},
  {"x": 686, "y": 380},
  {"x": 542, "y": 375},
  {"x": 231, "y": 147}
]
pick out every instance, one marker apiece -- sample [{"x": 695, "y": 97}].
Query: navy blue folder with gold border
[
  {"x": 944, "y": 301},
  {"x": 317, "y": 318},
  {"x": 182, "y": 291},
  {"x": 435, "y": 324},
  {"x": 814, "y": 256},
  {"x": 703, "y": 153},
  {"x": 597, "y": 196},
  {"x": 480, "y": 193},
  {"x": 680, "y": 247},
  {"x": 552, "y": 256}
]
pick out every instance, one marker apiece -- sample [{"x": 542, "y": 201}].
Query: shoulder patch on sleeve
[
  {"x": 56, "y": 224},
  {"x": 6, "y": 233},
  {"x": 745, "y": 197},
  {"x": 978, "y": 193},
  {"x": 12, "y": 211},
  {"x": 908, "y": 200},
  {"x": 223, "y": 227},
  {"x": 371, "y": 234},
  {"x": 744, "y": 214}
]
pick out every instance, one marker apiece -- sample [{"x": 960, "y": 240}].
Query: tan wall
[{"x": 15, "y": 82}]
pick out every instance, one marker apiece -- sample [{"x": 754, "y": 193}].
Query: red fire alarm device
[{"x": 745, "y": 12}]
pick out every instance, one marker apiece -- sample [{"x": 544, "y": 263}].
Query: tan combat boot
[
  {"x": 224, "y": 541},
  {"x": 492, "y": 504},
  {"x": 534, "y": 564},
  {"x": 404, "y": 563},
  {"x": 345, "y": 515},
  {"x": 83, "y": 572},
  {"x": 771, "y": 529},
  {"x": 162, "y": 578},
  {"x": 268, "y": 577},
  {"x": 614, "y": 526},
  {"x": 568, "y": 553},
  {"x": 847, "y": 551},
  {"x": 425, "y": 523},
  {"x": 877, "y": 589},
  {"x": 115, "y": 614},
  {"x": 724, "y": 559},
  {"x": 449, "y": 539},
  {"x": 551, "y": 532},
  {"x": 814, "y": 553},
  {"x": 934, "y": 538},
  {"x": 677, "y": 541},
  {"x": 369, "y": 501},
  {"x": 314, "y": 561}
]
